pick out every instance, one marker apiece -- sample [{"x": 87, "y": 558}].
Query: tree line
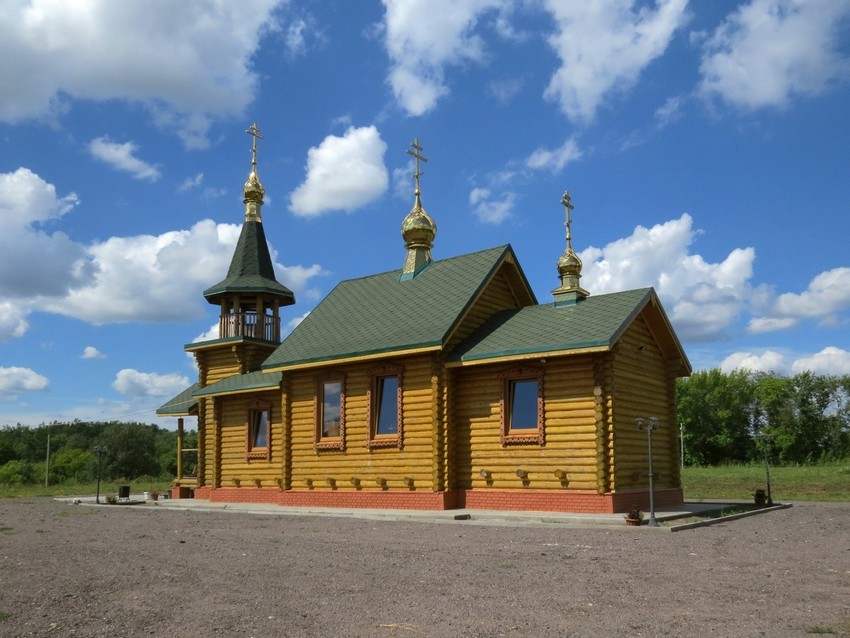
[
  {"x": 124, "y": 451},
  {"x": 725, "y": 417},
  {"x": 739, "y": 416}
]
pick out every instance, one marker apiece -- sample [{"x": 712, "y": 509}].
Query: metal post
[
  {"x": 764, "y": 439},
  {"x": 649, "y": 425},
  {"x": 767, "y": 472},
  {"x": 99, "y": 450}
]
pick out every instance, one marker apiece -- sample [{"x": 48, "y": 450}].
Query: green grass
[
  {"x": 796, "y": 483},
  {"x": 82, "y": 489}
]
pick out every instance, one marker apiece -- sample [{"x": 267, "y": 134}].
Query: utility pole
[{"x": 47, "y": 462}]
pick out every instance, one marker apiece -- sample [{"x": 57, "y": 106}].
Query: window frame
[
  {"x": 373, "y": 404},
  {"x": 320, "y": 441},
  {"x": 256, "y": 452},
  {"x": 520, "y": 436}
]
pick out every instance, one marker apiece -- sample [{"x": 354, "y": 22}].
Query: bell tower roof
[{"x": 251, "y": 269}]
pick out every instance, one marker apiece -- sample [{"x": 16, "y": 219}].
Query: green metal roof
[
  {"x": 184, "y": 404},
  {"x": 382, "y": 314},
  {"x": 251, "y": 268},
  {"x": 242, "y": 383},
  {"x": 593, "y": 322}
]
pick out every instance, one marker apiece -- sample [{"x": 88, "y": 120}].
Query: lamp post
[
  {"x": 100, "y": 450},
  {"x": 648, "y": 425}
]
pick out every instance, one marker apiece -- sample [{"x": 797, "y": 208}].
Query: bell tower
[{"x": 250, "y": 297}]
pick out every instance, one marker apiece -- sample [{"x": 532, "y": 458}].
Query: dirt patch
[{"x": 73, "y": 570}]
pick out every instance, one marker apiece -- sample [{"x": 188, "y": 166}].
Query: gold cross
[
  {"x": 417, "y": 153},
  {"x": 566, "y": 202},
  {"x": 255, "y": 132}
]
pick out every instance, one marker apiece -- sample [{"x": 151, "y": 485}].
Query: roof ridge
[{"x": 435, "y": 262}]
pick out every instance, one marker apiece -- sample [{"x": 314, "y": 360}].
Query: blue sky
[{"x": 705, "y": 146}]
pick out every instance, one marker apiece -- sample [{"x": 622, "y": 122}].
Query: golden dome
[
  {"x": 253, "y": 189},
  {"x": 569, "y": 263},
  {"x": 418, "y": 229}
]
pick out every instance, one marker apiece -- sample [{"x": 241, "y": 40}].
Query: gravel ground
[{"x": 75, "y": 570}]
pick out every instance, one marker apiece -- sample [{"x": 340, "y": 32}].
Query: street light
[
  {"x": 649, "y": 425},
  {"x": 100, "y": 450}
]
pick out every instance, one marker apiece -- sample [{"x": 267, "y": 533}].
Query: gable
[
  {"x": 377, "y": 315},
  {"x": 594, "y": 324}
]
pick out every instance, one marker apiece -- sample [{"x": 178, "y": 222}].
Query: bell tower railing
[{"x": 249, "y": 324}]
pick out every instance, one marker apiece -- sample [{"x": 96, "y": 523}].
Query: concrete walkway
[{"x": 666, "y": 516}]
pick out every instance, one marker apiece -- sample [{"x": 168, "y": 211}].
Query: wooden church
[{"x": 443, "y": 384}]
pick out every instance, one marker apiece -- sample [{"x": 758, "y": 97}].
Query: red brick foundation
[{"x": 582, "y": 502}]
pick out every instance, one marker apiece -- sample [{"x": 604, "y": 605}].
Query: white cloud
[
  {"x": 703, "y": 299},
  {"x": 187, "y": 62},
  {"x": 151, "y": 278},
  {"x": 505, "y": 89},
  {"x": 424, "y": 36},
  {"x": 770, "y": 50},
  {"x": 604, "y": 46},
  {"x": 770, "y": 324},
  {"x": 297, "y": 278},
  {"x": 555, "y": 160},
  {"x": 142, "y": 278},
  {"x": 90, "y": 352},
  {"x": 830, "y": 360},
  {"x": 190, "y": 182},
  {"x": 669, "y": 112},
  {"x": 27, "y": 205},
  {"x": 149, "y": 384},
  {"x": 825, "y": 298},
  {"x": 25, "y": 198},
  {"x": 767, "y": 361},
  {"x": 490, "y": 209},
  {"x": 13, "y": 322},
  {"x": 343, "y": 173},
  {"x": 15, "y": 381},
  {"x": 122, "y": 157}
]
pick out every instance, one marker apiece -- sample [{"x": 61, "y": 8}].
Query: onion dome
[
  {"x": 418, "y": 229},
  {"x": 569, "y": 266}
]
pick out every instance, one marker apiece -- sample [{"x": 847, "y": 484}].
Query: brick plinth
[{"x": 582, "y": 502}]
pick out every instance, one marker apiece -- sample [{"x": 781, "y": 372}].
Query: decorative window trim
[
  {"x": 252, "y": 452},
  {"x": 324, "y": 442},
  {"x": 384, "y": 440},
  {"x": 522, "y": 436}
]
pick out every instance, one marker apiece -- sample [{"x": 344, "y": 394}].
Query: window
[
  {"x": 259, "y": 432},
  {"x": 330, "y": 412},
  {"x": 521, "y": 412},
  {"x": 385, "y": 412}
]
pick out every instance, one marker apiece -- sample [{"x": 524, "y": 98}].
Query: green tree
[
  {"x": 130, "y": 451},
  {"x": 18, "y": 472},
  {"x": 717, "y": 413},
  {"x": 72, "y": 464}
]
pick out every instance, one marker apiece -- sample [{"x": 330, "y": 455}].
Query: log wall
[
  {"x": 236, "y": 469},
  {"x": 570, "y": 414},
  {"x": 643, "y": 387},
  {"x": 419, "y": 457}
]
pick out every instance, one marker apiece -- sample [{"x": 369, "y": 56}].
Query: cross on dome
[
  {"x": 254, "y": 131},
  {"x": 417, "y": 153}
]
